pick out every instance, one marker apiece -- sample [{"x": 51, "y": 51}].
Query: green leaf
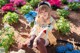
[
  {"x": 0, "y": 44},
  {"x": 62, "y": 12}
]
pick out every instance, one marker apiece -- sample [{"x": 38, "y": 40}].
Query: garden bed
[{"x": 74, "y": 18}]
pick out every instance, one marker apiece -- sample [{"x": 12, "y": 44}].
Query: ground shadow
[{"x": 74, "y": 18}]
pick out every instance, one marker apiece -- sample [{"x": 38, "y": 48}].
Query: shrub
[
  {"x": 2, "y": 2},
  {"x": 18, "y": 2},
  {"x": 26, "y": 9},
  {"x": 10, "y": 17},
  {"x": 8, "y": 7},
  {"x": 63, "y": 25},
  {"x": 34, "y": 3},
  {"x": 62, "y": 12},
  {"x": 6, "y": 37},
  {"x": 55, "y": 2},
  {"x": 74, "y": 5}
]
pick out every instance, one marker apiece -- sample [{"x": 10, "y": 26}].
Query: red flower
[
  {"x": 10, "y": 4},
  {"x": 55, "y": 2},
  {"x": 8, "y": 7}
]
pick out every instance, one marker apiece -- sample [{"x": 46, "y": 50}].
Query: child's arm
[
  {"x": 40, "y": 34},
  {"x": 52, "y": 26}
]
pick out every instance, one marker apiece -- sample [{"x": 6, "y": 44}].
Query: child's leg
[
  {"x": 41, "y": 46},
  {"x": 30, "y": 44},
  {"x": 52, "y": 38}
]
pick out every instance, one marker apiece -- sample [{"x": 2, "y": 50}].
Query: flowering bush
[
  {"x": 63, "y": 25},
  {"x": 8, "y": 7},
  {"x": 55, "y": 2},
  {"x": 18, "y": 2},
  {"x": 30, "y": 17},
  {"x": 2, "y": 2},
  {"x": 10, "y": 18},
  {"x": 6, "y": 38},
  {"x": 34, "y": 3},
  {"x": 62, "y": 12},
  {"x": 74, "y": 5},
  {"x": 26, "y": 9}
]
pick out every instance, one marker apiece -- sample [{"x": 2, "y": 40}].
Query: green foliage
[
  {"x": 26, "y": 8},
  {"x": 31, "y": 24},
  {"x": 63, "y": 25},
  {"x": 64, "y": 1},
  {"x": 28, "y": 0},
  {"x": 54, "y": 7},
  {"x": 62, "y": 12},
  {"x": 6, "y": 38},
  {"x": 74, "y": 6},
  {"x": 10, "y": 17},
  {"x": 2, "y": 2},
  {"x": 34, "y": 3}
]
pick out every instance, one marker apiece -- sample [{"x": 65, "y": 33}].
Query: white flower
[
  {"x": 66, "y": 7},
  {"x": 76, "y": 0}
]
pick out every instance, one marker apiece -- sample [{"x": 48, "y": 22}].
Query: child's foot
[{"x": 20, "y": 45}]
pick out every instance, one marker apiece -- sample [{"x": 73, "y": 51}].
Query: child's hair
[
  {"x": 44, "y": 7},
  {"x": 44, "y": 3}
]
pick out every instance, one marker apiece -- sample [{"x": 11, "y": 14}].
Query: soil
[{"x": 74, "y": 19}]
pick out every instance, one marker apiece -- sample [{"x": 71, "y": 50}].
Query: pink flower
[
  {"x": 55, "y": 2},
  {"x": 12, "y": 1},
  {"x": 8, "y": 7},
  {"x": 18, "y": 2}
]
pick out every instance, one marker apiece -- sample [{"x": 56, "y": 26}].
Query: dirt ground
[{"x": 74, "y": 19}]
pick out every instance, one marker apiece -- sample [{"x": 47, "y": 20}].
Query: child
[{"x": 41, "y": 33}]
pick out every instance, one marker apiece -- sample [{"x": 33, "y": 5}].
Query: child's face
[{"x": 44, "y": 14}]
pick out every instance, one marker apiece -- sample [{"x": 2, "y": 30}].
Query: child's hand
[{"x": 35, "y": 44}]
